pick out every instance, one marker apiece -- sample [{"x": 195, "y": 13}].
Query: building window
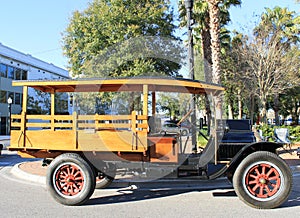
[
  {"x": 18, "y": 73},
  {"x": 24, "y": 75},
  {"x": 3, "y": 126},
  {"x": 17, "y": 98},
  {"x": 10, "y": 72},
  {"x": 3, "y": 70},
  {"x": 3, "y": 95}
]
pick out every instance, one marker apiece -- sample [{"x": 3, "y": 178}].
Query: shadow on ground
[
  {"x": 8, "y": 158},
  {"x": 133, "y": 195}
]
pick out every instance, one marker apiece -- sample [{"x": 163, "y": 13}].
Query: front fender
[{"x": 251, "y": 148}]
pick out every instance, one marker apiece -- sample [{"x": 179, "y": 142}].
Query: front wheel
[
  {"x": 70, "y": 179},
  {"x": 263, "y": 180}
]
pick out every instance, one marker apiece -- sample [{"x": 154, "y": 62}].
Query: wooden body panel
[
  {"x": 112, "y": 140},
  {"x": 44, "y": 139},
  {"x": 163, "y": 149}
]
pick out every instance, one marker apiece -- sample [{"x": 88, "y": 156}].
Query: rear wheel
[
  {"x": 70, "y": 179},
  {"x": 103, "y": 181},
  {"x": 263, "y": 180}
]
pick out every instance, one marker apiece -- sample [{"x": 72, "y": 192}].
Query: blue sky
[{"x": 34, "y": 26}]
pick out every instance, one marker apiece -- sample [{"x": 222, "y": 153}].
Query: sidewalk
[{"x": 34, "y": 171}]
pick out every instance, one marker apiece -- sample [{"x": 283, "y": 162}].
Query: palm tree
[
  {"x": 202, "y": 28},
  {"x": 279, "y": 21}
]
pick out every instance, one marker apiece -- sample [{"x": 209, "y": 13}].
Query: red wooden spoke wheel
[
  {"x": 263, "y": 180},
  {"x": 69, "y": 179}
]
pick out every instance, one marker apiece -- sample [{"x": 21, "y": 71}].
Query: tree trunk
[
  {"x": 230, "y": 110},
  {"x": 263, "y": 109},
  {"x": 276, "y": 109},
  {"x": 240, "y": 104},
  {"x": 214, "y": 24},
  {"x": 206, "y": 49},
  {"x": 131, "y": 100},
  {"x": 295, "y": 114},
  {"x": 252, "y": 104},
  {"x": 214, "y": 12},
  {"x": 208, "y": 114}
]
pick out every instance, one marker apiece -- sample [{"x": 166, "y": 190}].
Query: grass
[{"x": 201, "y": 140}]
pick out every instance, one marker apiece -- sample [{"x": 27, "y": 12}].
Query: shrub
[{"x": 268, "y": 131}]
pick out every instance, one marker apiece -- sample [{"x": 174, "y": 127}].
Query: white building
[{"x": 15, "y": 65}]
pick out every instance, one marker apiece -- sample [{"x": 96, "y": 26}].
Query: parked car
[
  {"x": 171, "y": 127},
  {"x": 4, "y": 142}
]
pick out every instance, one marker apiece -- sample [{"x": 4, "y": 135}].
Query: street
[{"x": 27, "y": 199}]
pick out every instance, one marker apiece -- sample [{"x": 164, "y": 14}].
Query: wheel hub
[
  {"x": 70, "y": 179},
  {"x": 262, "y": 181}
]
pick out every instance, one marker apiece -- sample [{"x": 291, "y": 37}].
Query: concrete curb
[
  {"x": 27, "y": 176},
  {"x": 295, "y": 169}
]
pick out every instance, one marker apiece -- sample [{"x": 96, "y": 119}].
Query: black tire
[
  {"x": 184, "y": 132},
  {"x": 263, "y": 180},
  {"x": 70, "y": 179},
  {"x": 1, "y": 148},
  {"x": 103, "y": 181},
  {"x": 105, "y": 174}
]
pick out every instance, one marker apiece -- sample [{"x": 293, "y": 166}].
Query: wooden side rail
[
  {"x": 132, "y": 122},
  {"x": 38, "y": 122},
  {"x": 119, "y": 122}
]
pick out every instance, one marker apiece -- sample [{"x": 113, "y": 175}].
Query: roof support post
[
  {"x": 153, "y": 94},
  {"x": 52, "y": 108},
  {"x": 24, "y": 103},
  {"x": 24, "y": 112},
  {"x": 145, "y": 99}
]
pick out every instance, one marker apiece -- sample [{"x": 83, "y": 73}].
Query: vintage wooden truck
[{"x": 83, "y": 148}]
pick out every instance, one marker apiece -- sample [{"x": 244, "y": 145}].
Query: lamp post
[
  {"x": 9, "y": 102},
  {"x": 189, "y": 8}
]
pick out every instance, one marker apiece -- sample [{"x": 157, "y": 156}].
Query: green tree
[
  {"x": 232, "y": 67},
  {"x": 270, "y": 68},
  {"x": 280, "y": 26},
  {"x": 169, "y": 103},
  {"x": 39, "y": 102},
  {"x": 105, "y": 24},
  {"x": 279, "y": 22},
  {"x": 290, "y": 104},
  {"x": 265, "y": 64}
]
